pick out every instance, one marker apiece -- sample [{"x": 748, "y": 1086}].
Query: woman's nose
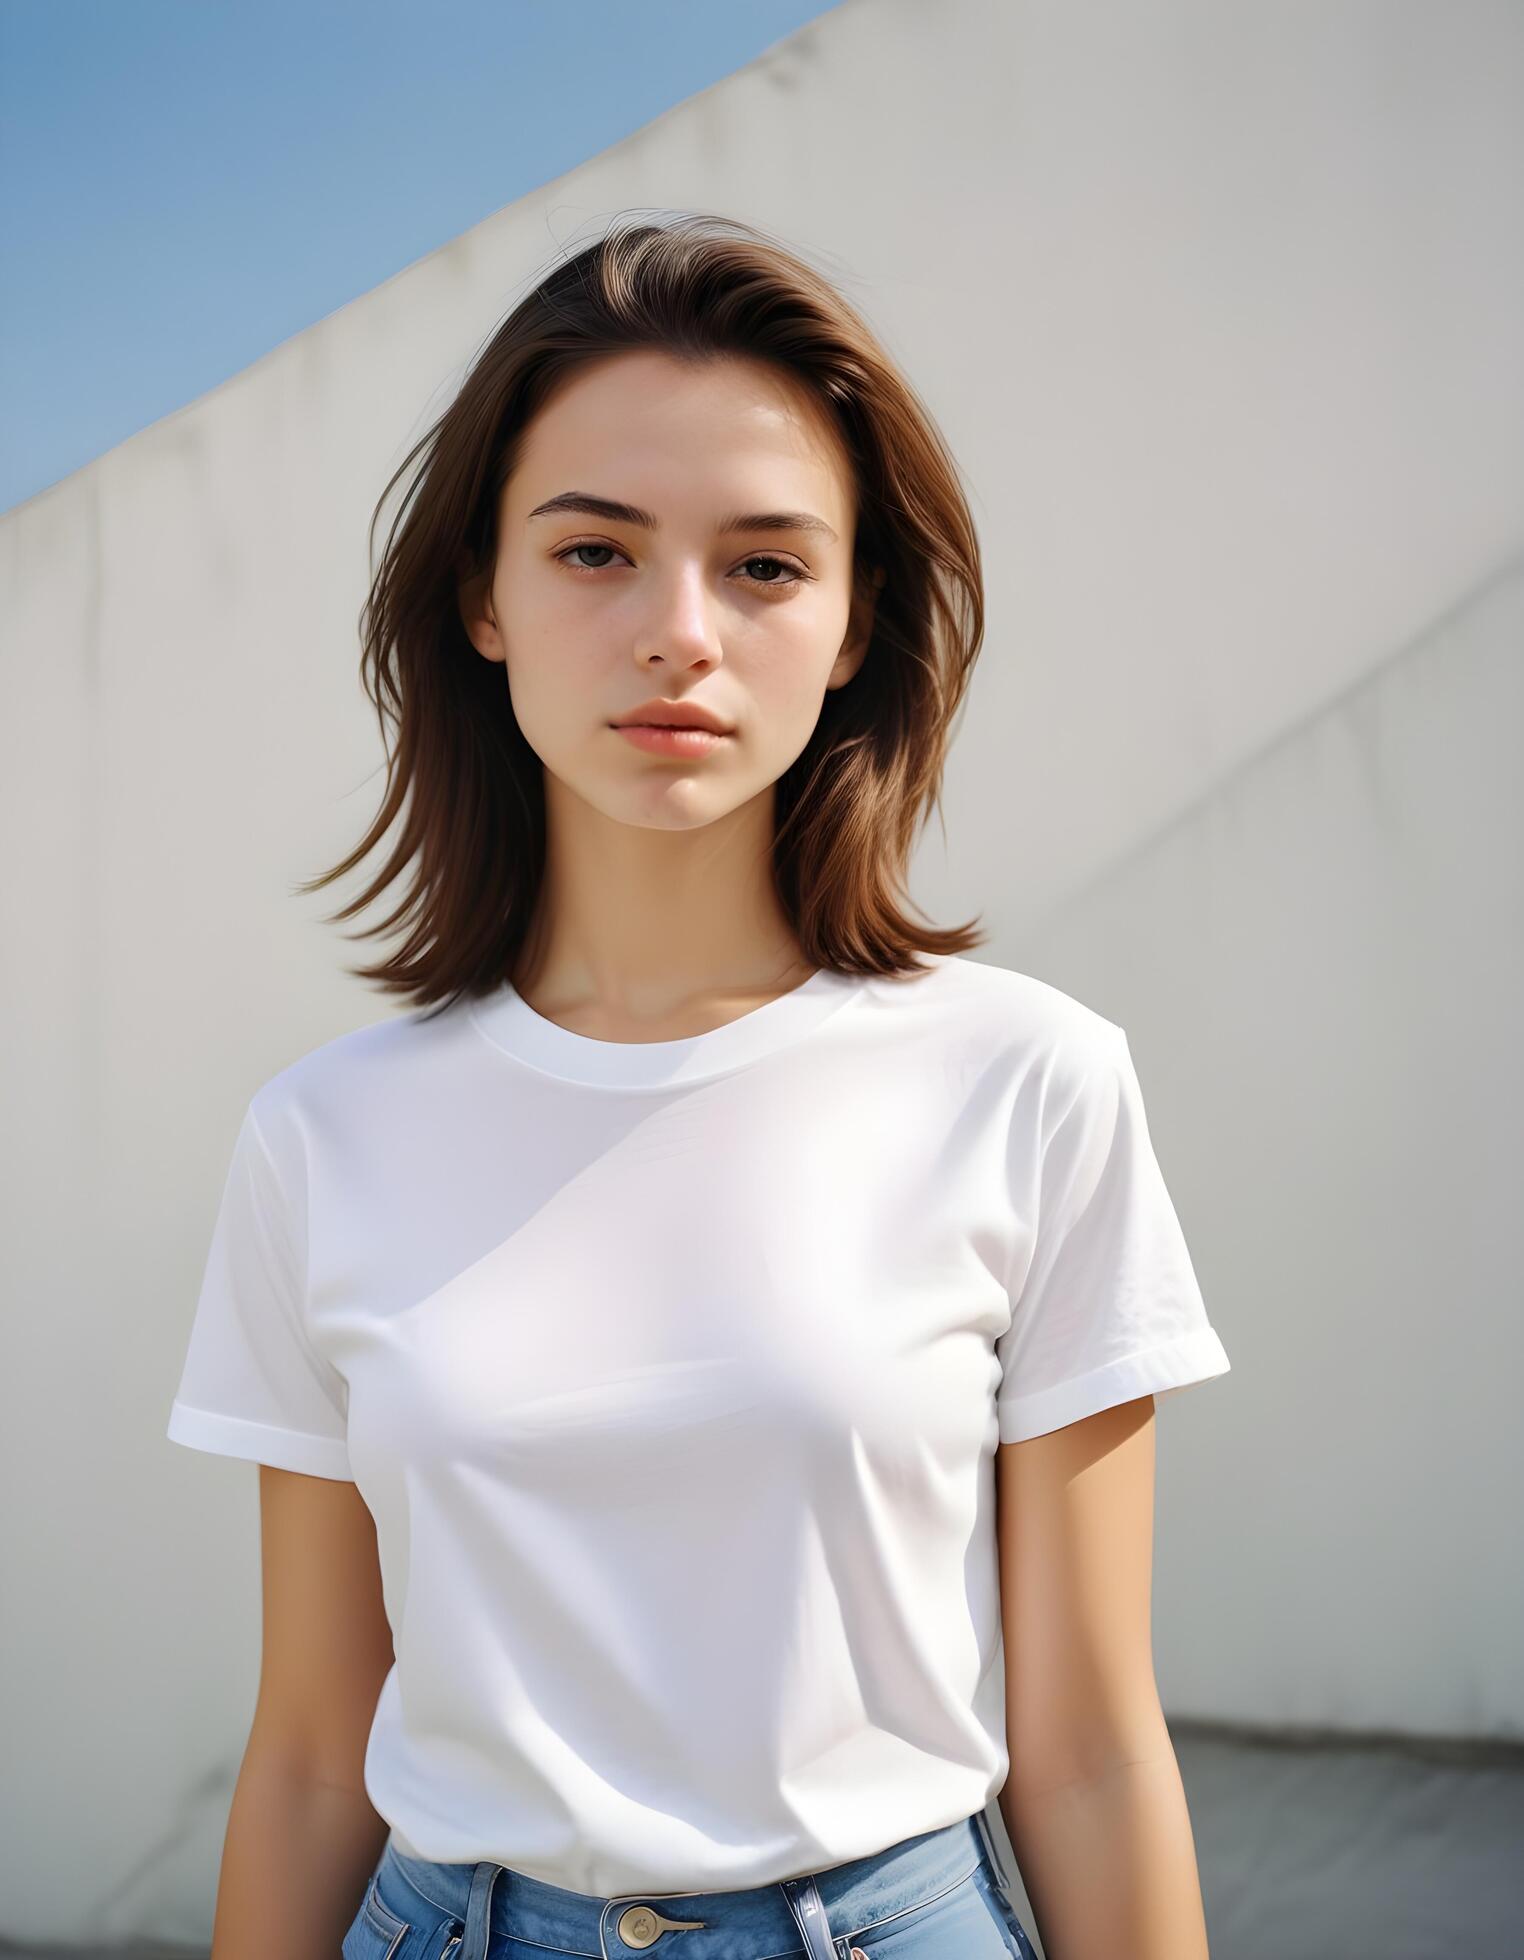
[{"x": 680, "y": 623}]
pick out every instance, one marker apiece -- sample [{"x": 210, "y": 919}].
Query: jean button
[{"x": 638, "y": 1926}]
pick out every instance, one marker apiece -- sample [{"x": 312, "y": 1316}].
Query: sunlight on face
[{"x": 597, "y": 614}]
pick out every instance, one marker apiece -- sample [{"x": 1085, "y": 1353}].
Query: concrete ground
[{"x": 1310, "y": 1848}]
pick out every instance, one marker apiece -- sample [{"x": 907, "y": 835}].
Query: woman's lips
[{"x": 669, "y": 741}]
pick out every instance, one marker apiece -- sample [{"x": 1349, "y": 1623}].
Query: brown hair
[{"x": 849, "y": 807}]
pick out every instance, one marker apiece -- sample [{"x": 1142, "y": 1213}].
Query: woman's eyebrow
[{"x": 617, "y": 513}]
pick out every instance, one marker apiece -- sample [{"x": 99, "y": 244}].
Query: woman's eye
[
  {"x": 795, "y": 576},
  {"x": 585, "y": 547}
]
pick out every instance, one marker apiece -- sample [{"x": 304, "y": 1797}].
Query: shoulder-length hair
[{"x": 467, "y": 783}]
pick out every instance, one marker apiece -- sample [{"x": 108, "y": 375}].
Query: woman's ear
[
  {"x": 854, "y": 647},
  {"x": 474, "y": 598}
]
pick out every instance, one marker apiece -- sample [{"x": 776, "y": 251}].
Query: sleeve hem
[
  {"x": 1161, "y": 1370},
  {"x": 260, "y": 1442}
]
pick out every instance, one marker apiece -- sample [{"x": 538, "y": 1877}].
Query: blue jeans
[{"x": 938, "y": 1896}]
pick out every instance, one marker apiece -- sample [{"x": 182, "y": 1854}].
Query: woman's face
[{"x": 733, "y": 592}]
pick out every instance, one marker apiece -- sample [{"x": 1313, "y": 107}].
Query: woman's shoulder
[
  {"x": 1032, "y": 1017},
  {"x": 381, "y": 1065}
]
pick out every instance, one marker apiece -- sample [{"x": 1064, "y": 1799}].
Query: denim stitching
[
  {"x": 383, "y": 1920},
  {"x": 914, "y": 1906}
]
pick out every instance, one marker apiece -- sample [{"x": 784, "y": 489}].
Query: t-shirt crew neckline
[{"x": 511, "y": 1024}]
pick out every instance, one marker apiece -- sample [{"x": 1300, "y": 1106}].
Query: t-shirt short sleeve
[
  {"x": 1108, "y": 1307},
  {"x": 253, "y": 1385}
]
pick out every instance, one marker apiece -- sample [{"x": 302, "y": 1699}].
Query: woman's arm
[
  {"x": 1093, "y": 1805},
  {"x": 302, "y": 1836}
]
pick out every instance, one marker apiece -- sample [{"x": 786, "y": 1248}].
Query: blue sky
[{"x": 186, "y": 183}]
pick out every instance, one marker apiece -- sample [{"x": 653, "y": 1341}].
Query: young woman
[{"x": 702, "y": 1355}]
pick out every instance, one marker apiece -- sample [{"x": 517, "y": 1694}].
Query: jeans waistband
[{"x": 820, "y": 1911}]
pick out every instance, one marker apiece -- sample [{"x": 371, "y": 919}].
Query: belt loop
[
  {"x": 982, "y": 1825},
  {"x": 477, "y": 1936},
  {"x": 808, "y": 1908}
]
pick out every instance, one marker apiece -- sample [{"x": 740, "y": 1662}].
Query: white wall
[{"x": 1219, "y": 306}]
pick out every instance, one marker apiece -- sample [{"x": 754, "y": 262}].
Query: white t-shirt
[{"x": 672, "y": 1373}]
